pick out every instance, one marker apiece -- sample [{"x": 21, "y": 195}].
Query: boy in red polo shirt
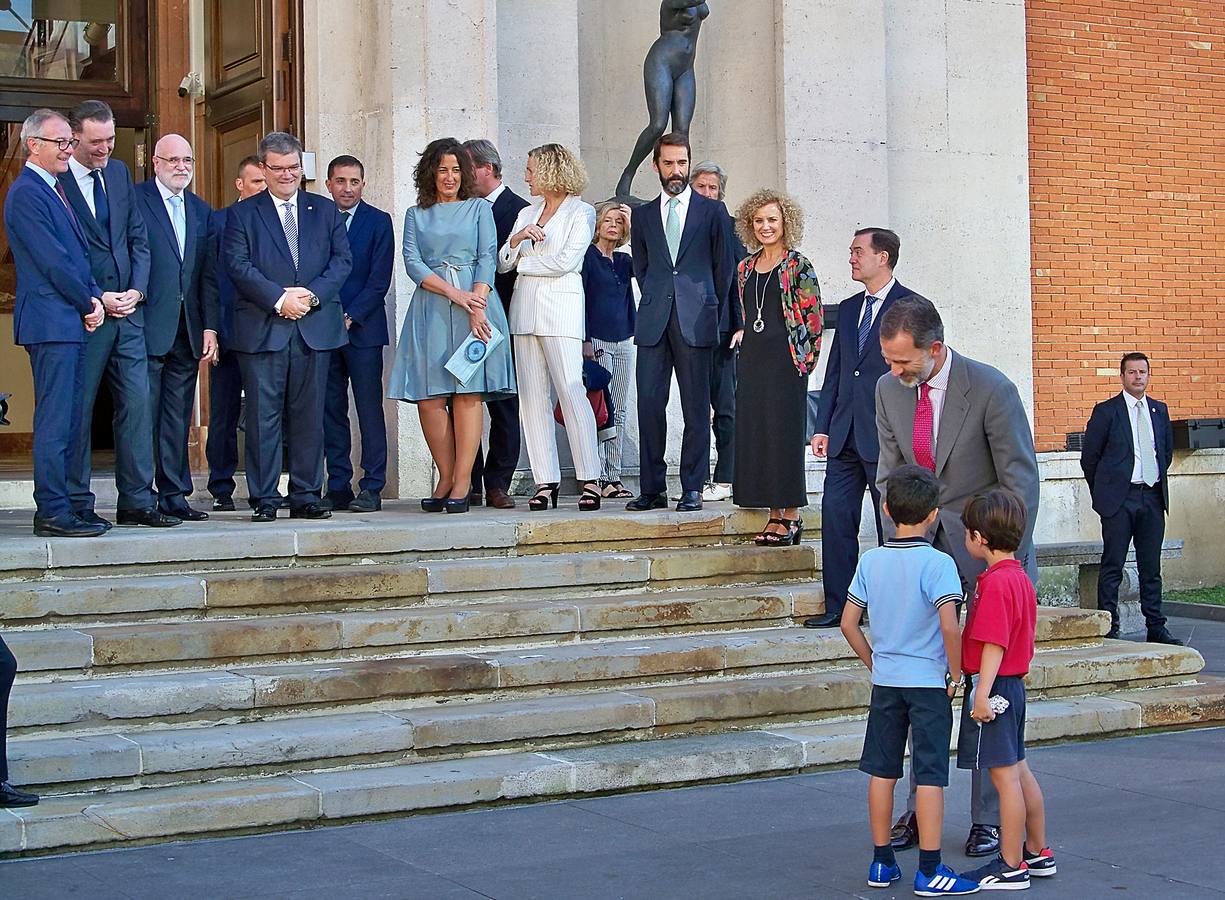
[{"x": 997, "y": 647}]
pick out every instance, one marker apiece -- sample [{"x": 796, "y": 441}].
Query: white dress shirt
[
  {"x": 85, "y": 181},
  {"x": 682, "y": 208},
  {"x": 1139, "y": 406},
  {"x": 493, "y": 195},
  {"x": 877, "y": 303},
  {"x": 279, "y": 204},
  {"x": 938, "y": 386}
]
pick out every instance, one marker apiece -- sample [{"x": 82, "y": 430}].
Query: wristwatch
[
  {"x": 314, "y": 300},
  {"x": 949, "y": 682}
]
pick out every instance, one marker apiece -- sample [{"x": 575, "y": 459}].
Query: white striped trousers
[
  {"x": 544, "y": 363},
  {"x": 618, "y": 359}
]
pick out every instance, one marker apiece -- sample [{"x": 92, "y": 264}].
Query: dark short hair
[
  {"x": 884, "y": 241},
  {"x": 280, "y": 142},
  {"x": 484, "y": 153},
  {"x": 915, "y": 315},
  {"x": 424, "y": 176},
  {"x": 912, "y": 492},
  {"x": 999, "y": 516},
  {"x": 251, "y": 160},
  {"x": 672, "y": 139},
  {"x": 89, "y": 111},
  {"x": 346, "y": 160},
  {"x": 1134, "y": 356}
]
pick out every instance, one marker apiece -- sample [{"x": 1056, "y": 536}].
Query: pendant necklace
[{"x": 759, "y": 294}]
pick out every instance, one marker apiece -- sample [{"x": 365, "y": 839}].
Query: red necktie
[
  {"x": 921, "y": 439},
  {"x": 59, "y": 189}
]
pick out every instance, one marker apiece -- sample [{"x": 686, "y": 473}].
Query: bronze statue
[{"x": 668, "y": 76}]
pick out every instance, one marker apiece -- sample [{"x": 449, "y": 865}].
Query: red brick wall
[{"x": 1127, "y": 171}]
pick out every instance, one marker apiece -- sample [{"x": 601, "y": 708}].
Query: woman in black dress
[{"x": 779, "y": 345}]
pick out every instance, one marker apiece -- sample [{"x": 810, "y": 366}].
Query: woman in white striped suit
[{"x": 547, "y": 318}]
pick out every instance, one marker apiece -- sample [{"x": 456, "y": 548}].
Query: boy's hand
[
  {"x": 952, "y": 691},
  {"x": 982, "y": 711}
]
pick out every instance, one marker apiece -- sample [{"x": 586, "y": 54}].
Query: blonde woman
[
  {"x": 611, "y": 314},
  {"x": 547, "y": 318},
  {"x": 779, "y": 345}
]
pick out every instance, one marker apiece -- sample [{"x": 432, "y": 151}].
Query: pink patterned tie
[{"x": 921, "y": 439}]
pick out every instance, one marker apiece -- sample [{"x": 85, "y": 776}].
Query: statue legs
[
  {"x": 684, "y": 100},
  {"x": 659, "y": 90}
]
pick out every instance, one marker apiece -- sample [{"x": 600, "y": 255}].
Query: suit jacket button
[
  {"x": 674, "y": 272},
  {"x": 856, "y": 373}
]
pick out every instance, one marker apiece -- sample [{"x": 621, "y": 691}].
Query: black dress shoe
[
  {"x": 905, "y": 833},
  {"x": 1113, "y": 633},
  {"x": 984, "y": 840},
  {"x": 151, "y": 518},
  {"x": 643, "y": 502},
  {"x": 67, "y": 525},
  {"x": 366, "y": 501},
  {"x": 224, "y": 503},
  {"x": 476, "y": 498},
  {"x": 264, "y": 513},
  {"x": 187, "y": 513},
  {"x": 309, "y": 511},
  {"x": 10, "y": 796},
  {"x": 336, "y": 501},
  {"x": 92, "y": 518},
  {"x": 1162, "y": 636},
  {"x": 825, "y": 620},
  {"x": 691, "y": 501}
]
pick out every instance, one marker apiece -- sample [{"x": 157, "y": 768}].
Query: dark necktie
[
  {"x": 344, "y": 218},
  {"x": 102, "y": 209},
  {"x": 921, "y": 437},
  {"x": 865, "y": 324},
  {"x": 59, "y": 189}
]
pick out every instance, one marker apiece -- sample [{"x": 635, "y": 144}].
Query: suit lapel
[
  {"x": 953, "y": 414},
  {"x": 77, "y": 201},
  {"x": 358, "y": 225},
  {"x": 272, "y": 221},
  {"x": 118, "y": 223},
  {"x": 874, "y": 332},
  {"x": 157, "y": 210},
  {"x": 69, "y": 215},
  {"x": 191, "y": 232}
]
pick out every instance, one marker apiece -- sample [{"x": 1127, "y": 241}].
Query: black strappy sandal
[
  {"x": 764, "y": 538},
  {"x": 615, "y": 490},
  {"x": 545, "y": 493},
  {"x": 589, "y": 500},
  {"x": 795, "y": 531}
]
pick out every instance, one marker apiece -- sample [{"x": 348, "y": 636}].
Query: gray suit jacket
[{"x": 984, "y": 442}]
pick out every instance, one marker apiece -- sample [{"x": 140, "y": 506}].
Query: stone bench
[{"x": 1087, "y": 557}]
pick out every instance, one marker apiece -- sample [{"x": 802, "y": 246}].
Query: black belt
[{"x": 1141, "y": 486}]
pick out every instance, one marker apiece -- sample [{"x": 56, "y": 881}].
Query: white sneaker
[{"x": 716, "y": 491}]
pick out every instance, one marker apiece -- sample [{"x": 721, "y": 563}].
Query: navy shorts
[
  {"x": 1000, "y": 742},
  {"x": 928, "y": 713}
]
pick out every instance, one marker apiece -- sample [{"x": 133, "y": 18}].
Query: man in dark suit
[
  {"x": 360, "y": 362},
  {"x": 180, "y": 314},
  {"x": 225, "y": 381},
  {"x": 846, "y": 415},
  {"x": 288, "y": 254},
  {"x": 684, "y": 267},
  {"x": 57, "y": 303},
  {"x": 709, "y": 180},
  {"x": 1126, "y": 457},
  {"x": 495, "y": 469},
  {"x": 102, "y": 196}
]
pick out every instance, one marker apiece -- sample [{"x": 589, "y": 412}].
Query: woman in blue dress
[{"x": 450, "y": 253}]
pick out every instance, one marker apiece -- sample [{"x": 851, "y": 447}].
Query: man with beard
[
  {"x": 964, "y": 421},
  {"x": 683, "y": 264},
  {"x": 181, "y": 314}
]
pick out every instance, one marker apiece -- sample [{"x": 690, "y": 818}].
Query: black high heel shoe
[
  {"x": 545, "y": 493},
  {"x": 766, "y": 536},
  {"x": 589, "y": 500},
  {"x": 433, "y": 504},
  {"x": 795, "y": 531},
  {"x": 459, "y": 505}
]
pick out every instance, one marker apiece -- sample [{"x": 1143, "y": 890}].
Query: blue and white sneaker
[
  {"x": 945, "y": 883},
  {"x": 881, "y": 875},
  {"x": 997, "y": 875}
]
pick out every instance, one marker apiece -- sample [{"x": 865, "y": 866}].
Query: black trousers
[
  {"x": 847, "y": 476},
  {"x": 224, "y": 405},
  {"x": 496, "y": 468},
  {"x": 654, "y": 378},
  {"x": 1141, "y": 519},
  {"x": 361, "y": 367},
  {"x": 8, "y": 672},
  {"x": 172, "y": 396},
  {"x": 723, "y": 403},
  {"x": 285, "y": 391}
]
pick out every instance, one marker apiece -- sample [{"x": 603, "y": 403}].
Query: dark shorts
[
  {"x": 1000, "y": 742},
  {"x": 928, "y": 713}
]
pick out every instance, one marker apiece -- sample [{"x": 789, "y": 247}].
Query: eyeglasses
[
  {"x": 277, "y": 170},
  {"x": 177, "y": 160},
  {"x": 62, "y": 143}
]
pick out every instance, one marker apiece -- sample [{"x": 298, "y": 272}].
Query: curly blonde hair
[
  {"x": 793, "y": 218},
  {"x": 557, "y": 169},
  {"x": 603, "y": 209}
]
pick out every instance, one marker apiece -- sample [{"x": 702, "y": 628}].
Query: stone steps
[
  {"x": 326, "y": 797},
  {"x": 130, "y": 597}
]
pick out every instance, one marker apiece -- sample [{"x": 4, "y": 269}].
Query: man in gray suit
[{"x": 963, "y": 420}]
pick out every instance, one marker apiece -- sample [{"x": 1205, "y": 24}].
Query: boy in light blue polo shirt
[{"x": 911, "y": 590}]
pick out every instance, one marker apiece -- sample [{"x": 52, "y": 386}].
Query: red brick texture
[{"x": 1127, "y": 173}]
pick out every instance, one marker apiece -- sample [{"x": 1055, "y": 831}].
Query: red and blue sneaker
[
  {"x": 997, "y": 875},
  {"x": 881, "y": 875},
  {"x": 945, "y": 883},
  {"x": 1040, "y": 864}
]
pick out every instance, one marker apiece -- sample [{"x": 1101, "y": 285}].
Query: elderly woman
[
  {"x": 546, "y": 247},
  {"x": 611, "y": 314},
  {"x": 450, "y": 253},
  {"x": 781, "y": 305}
]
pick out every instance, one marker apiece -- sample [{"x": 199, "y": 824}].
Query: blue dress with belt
[{"x": 458, "y": 243}]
